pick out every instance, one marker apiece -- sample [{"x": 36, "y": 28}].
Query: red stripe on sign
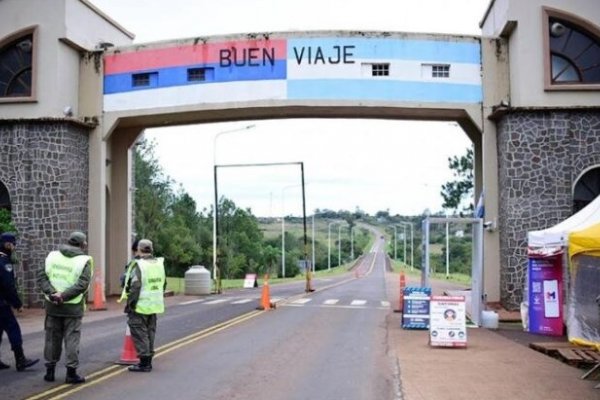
[{"x": 243, "y": 51}]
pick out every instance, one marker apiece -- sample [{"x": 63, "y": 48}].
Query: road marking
[
  {"x": 358, "y": 302},
  {"x": 185, "y": 303},
  {"x": 330, "y": 302},
  {"x": 217, "y": 301},
  {"x": 67, "y": 390},
  {"x": 242, "y": 301},
  {"x": 300, "y": 301},
  {"x": 385, "y": 303}
]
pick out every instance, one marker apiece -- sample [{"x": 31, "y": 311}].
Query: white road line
[
  {"x": 217, "y": 301},
  {"x": 358, "y": 302},
  {"x": 301, "y": 301},
  {"x": 242, "y": 301},
  {"x": 385, "y": 303},
  {"x": 330, "y": 302},
  {"x": 191, "y": 302}
]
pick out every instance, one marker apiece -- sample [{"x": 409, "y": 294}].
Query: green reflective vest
[
  {"x": 64, "y": 272},
  {"x": 151, "y": 299}
]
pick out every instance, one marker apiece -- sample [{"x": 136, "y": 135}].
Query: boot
[
  {"x": 72, "y": 376},
  {"x": 144, "y": 365},
  {"x": 49, "y": 377},
  {"x": 4, "y": 366},
  {"x": 21, "y": 361}
]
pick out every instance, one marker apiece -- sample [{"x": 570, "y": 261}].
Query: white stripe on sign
[
  {"x": 358, "y": 302},
  {"x": 330, "y": 302},
  {"x": 242, "y": 301},
  {"x": 191, "y": 302},
  {"x": 175, "y": 96}
]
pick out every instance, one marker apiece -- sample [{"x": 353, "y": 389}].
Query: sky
[{"x": 373, "y": 165}]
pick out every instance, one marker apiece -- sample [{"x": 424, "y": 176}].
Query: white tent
[{"x": 558, "y": 235}]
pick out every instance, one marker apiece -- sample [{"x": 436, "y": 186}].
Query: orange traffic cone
[
  {"x": 99, "y": 299},
  {"x": 128, "y": 354},
  {"x": 401, "y": 296},
  {"x": 265, "y": 299}
]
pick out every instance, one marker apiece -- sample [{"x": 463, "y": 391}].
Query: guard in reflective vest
[
  {"x": 9, "y": 299},
  {"x": 145, "y": 283},
  {"x": 64, "y": 280}
]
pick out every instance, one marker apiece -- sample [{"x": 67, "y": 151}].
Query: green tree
[
  {"x": 6, "y": 224},
  {"x": 454, "y": 192}
]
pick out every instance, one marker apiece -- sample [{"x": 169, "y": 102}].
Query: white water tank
[{"x": 197, "y": 280}]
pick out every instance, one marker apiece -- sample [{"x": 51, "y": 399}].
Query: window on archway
[
  {"x": 574, "y": 53},
  {"x": 587, "y": 189},
  {"x": 4, "y": 197},
  {"x": 16, "y": 67}
]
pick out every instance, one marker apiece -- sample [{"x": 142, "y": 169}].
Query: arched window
[
  {"x": 4, "y": 197},
  {"x": 16, "y": 66},
  {"x": 573, "y": 47},
  {"x": 587, "y": 189}
]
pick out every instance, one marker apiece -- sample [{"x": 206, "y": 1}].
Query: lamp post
[
  {"x": 410, "y": 224},
  {"x": 283, "y": 228},
  {"x": 313, "y": 244},
  {"x": 329, "y": 244},
  {"x": 339, "y": 245},
  {"x": 395, "y": 241},
  {"x": 217, "y": 276},
  {"x": 352, "y": 242}
]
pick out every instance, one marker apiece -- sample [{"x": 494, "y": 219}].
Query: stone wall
[
  {"x": 540, "y": 155},
  {"x": 44, "y": 165}
]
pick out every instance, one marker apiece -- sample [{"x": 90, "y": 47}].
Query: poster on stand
[
  {"x": 415, "y": 308},
  {"x": 448, "y": 322},
  {"x": 545, "y": 295}
]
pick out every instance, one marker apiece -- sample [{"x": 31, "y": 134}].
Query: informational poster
[
  {"x": 448, "y": 325},
  {"x": 545, "y": 295},
  {"x": 250, "y": 281},
  {"x": 415, "y": 308}
]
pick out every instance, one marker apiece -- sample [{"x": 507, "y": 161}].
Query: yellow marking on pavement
[{"x": 67, "y": 389}]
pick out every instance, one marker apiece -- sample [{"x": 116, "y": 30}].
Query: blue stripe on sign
[
  {"x": 385, "y": 90},
  {"x": 177, "y": 76},
  {"x": 401, "y": 49}
]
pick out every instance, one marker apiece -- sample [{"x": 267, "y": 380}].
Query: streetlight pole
[
  {"x": 395, "y": 241},
  {"x": 410, "y": 224},
  {"x": 313, "y": 243},
  {"x": 339, "y": 245},
  {"x": 329, "y": 244},
  {"x": 447, "y": 249},
  {"x": 283, "y": 228},
  {"x": 216, "y": 275},
  {"x": 352, "y": 242}
]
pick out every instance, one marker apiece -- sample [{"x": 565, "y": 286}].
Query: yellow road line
[{"x": 106, "y": 373}]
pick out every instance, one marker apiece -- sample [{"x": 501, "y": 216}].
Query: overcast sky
[{"x": 371, "y": 164}]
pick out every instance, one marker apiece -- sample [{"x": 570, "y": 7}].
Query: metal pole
[
  {"x": 352, "y": 242},
  {"x": 307, "y": 269},
  {"x": 412, "y": 246},
  {"x": 329, "y": 247},
  {"x": 313, "y": 243},
  {"x": 395, "y": 242},
  {"x": 339, "y": 245},
  {"x": 404, "y": 237},
  {"x": 282, "y": 245},
  {"x": 447, "y": 251}
]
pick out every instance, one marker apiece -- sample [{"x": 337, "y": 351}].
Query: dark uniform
[
  {"x": 65, "y": 305},
  {"x": 142, "y": 322},
  {"x": 9, "y": 299}
]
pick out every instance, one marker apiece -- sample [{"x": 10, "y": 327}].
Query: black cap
[
  {"x": 77, "y": 239},
  {"x": 8, "y": 237}
]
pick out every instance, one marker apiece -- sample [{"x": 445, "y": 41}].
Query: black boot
[
  {"x": 49, "y": 377},
  {"x": 21, "y": 361},
  {"x": 72, "y": 376},
  {"x": 144, "y": 365},
  {"x": 4, "y": 366}
]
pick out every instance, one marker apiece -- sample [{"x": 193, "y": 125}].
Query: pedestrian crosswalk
[{"x": 297, "y": 302}]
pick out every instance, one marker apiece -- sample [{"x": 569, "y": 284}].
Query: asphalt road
[{"x": 330, "y": 344}]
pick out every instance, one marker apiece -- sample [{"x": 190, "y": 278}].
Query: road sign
[
  {"x": 448, "y": 327},
  {"x": 415, "y": 308}
]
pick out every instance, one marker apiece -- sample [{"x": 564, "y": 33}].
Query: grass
[{"x": 462, "y": 279}]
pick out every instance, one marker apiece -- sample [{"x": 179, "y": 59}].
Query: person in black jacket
[{"x": 9, "y": 299}]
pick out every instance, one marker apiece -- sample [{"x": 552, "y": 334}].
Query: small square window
[
  {"x": 440, "y": 71},
  {"x": 145, "y": 79},
  {"x": 199, "y": 74},
  {"x": 380, "y": 69}
]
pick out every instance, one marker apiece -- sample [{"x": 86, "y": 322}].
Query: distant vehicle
[{"x": 382, "y": 237}]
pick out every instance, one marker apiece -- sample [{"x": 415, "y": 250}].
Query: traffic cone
[
  {"x": 401, "y": 296},
  {"x": 99, "y": 299},
  {"x": 265, "y": 299},
  {"x": 128, "y": 354}
]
